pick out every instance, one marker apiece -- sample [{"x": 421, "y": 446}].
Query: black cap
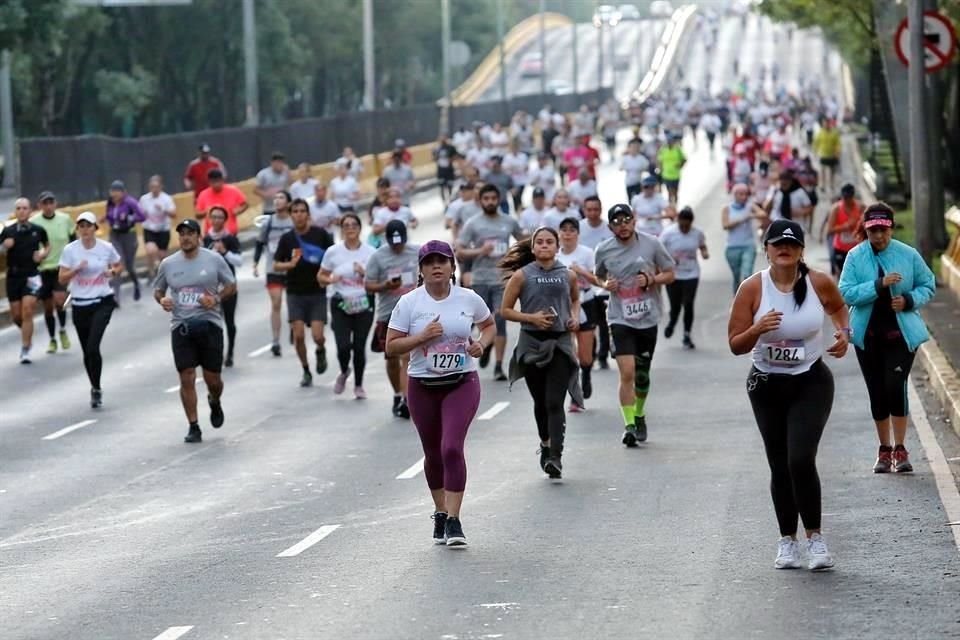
[
  {"x": 205, "y": 148},
  {"x": 190, "y": 224},
  {"x": 783, "y": 230},
  {"x": 619, "y": 211},
  {"x": 46, "y": 195},
  {"x": 571, "y": 221},
  {"x": 539, "y": 193},
  {"x": 396, "y": 232}
]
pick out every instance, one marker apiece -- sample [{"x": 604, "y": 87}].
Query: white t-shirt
[
  {"x": 515, "y": 165},
  {"x": 553, "y": 217},
  {"x": 545, "y": 178},
  {"x": 579, "y": 191},
  {"x": 342, "y": 191},
  {"x": 383, "y": 215},
  {"x": 458, "y": 313},
  {"x": 303, "y": 190},
  {"x": 479, "y": 159},
  {"x": 684, "y": 248},
  {"x": 156, "y": 208},
  {"x": 582, "y": 257},
  {"x": 342, "y": 261},
  {"x": 92, "y": 282},
  {"x": 324, "y": 215},
  {"x": 532, "y": 218},
  {"x": 633, "y": 168},
  {"x": 648, "y": 212},
  {"x": 499, "y": 140},
  {"x": 798, "y": 200},
  {"x": 592, "y": 236}
]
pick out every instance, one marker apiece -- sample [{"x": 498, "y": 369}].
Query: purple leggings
[{"x": 442, "y": 416}]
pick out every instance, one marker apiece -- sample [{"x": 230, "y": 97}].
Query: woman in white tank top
[{"x": 778, "y": 317}]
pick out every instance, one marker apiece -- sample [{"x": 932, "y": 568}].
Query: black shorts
[
  {"x": 276, "y": 281},
  {"x": 307, "y": 307},
  {"x": 198, "y": 344},
  {"x": 159, "y": 238},
  {"x": 18, "y": 287},
  {"x": 837, "y": 258},
  {"x": 829, "y": 162},
  {"x": 627, "y": 341},
  {"x": 378, "y": 343},
  {"x": 593, "y": 309},
  {"x": 50, "y": 282},
  {"x": 671, "y": 185}
]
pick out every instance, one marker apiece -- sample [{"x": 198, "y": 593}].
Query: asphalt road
[{"x": 118, "y": 530}]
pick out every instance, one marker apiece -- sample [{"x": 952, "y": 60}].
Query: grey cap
[{"x": 117, "y": 185}]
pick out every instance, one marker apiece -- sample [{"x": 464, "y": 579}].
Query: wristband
[{"x": 848, "y": 331}]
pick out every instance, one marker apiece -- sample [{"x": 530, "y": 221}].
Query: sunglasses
[{"x": 621, "y": 221}]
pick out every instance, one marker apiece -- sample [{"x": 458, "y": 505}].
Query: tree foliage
[
  {"x": 847, "y": 24},
  {"x": 145, "y": 70}
]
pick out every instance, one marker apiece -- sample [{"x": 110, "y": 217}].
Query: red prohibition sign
[{"x": 940, "y": 44}]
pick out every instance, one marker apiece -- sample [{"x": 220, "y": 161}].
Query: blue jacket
[{"x": 860, "y": 285}]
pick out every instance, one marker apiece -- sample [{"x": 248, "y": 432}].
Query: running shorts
[
  {"x": 19, "y": 287},
  {"x": 627, "y": 341},
  {"x": 276, "y": 281},
  {"x": 198, "y": 344},
  {"x": 593, "y": 309},
  {"x": 307, "y": 307},
  {"x": 159, "y": 238},
  {"x": 50, "y": 282},
  {"x": 492, "y": 295},
  {"x": 829, "y": 162},
  {"x": 671, "y": 185},
  {"x": 378, "y": 343}
]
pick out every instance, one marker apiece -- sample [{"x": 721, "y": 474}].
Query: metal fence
[{"x": 80, "y": 168}]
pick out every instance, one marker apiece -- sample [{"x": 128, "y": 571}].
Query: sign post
[{"x": 939, "y": 41}]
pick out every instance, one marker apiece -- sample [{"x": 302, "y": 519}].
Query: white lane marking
[
  {"x": 175, "y": 387},
  {"x": 173, "y": 633},
  {"x": 413, "y": 471},
  {"x": 66, "y": 430},
  {"x": 309, "y": 541},
  {"x": 259, "y": 352},
  {"x": 946, "y": 485},
  {"x": 491, "y": 413}
]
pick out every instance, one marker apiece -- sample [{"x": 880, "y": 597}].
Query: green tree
[{"x": 847, "y": 24}]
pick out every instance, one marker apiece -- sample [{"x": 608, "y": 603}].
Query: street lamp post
[
  {"x": 543, "y": 48},
  {"x": 251, "y": 91},
  {"x": 6, "y": 123},
  {"x": 369, "y": 81}
]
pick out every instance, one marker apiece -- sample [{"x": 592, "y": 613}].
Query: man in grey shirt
[
  {"x": 485, "y": 239},
  {"x": 392, "y": 272},
  {"x": 632, "y": 266},
  {"x": 272, "y": 180},
  {"x": 502, "y": 181},
  {"x": 190, "y": 285},
  {"x": 401, "y": 177}
]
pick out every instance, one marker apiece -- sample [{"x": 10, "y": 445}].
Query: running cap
[
  {"x": 396, "y": 232},
  {"x": 847, "y": 190},
  {"x": 878, "y": 215},
  {"x": 117, "y": 185},
  {"x": 649, "y": 181},
  {"x": 46, "y": 195},
  {"x": 89, "y": 217},
  {"x": 573, "y": 222},
  {"x": 435, "y": 246},
  {"x": 399, "y": 142},
  {"x": 619, "y": 211},
  {"x": 782, "y": 231},
  {"x": 190, "y": 225},
  {"x": 205, "y": 148},
  {"x": 539, "y": 193}
]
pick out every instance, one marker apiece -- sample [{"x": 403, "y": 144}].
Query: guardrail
[{"x": 666, "y": 51}]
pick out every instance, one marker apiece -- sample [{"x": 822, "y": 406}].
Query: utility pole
[
  {"x": 369, "y": 79},
  {"x": 503, "y": 61},
  {"x": 576, "y": 61},
  {"x": 445, "y": 54},
  {"x": 543, "y": 48},
  {"x": 600, "y": 57},
  {"x": 251, "y": 90},
  {"x": 937, "y": 203},
  {"x": 6, "y": 123},
  {"x": 919, "y": 132}
]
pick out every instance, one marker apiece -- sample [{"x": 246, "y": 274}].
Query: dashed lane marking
[
  {"x": 413, "y": 471},
  {"x": 492, "y": 412},
  {"x": 174, "y": 632},
  {"x": 70, "y": 429},
  {"x": 309, "y": 541}
]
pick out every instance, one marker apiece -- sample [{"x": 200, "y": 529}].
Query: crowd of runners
[{"x": 526, "y": 225}]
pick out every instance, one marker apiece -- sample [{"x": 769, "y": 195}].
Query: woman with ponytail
[
  {"x": 778, "y": 316},
  {"x": 545, "y": 354}
]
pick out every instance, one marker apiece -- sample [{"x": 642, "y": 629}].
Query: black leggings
[
  {"x": 351, "y": 331},
  {"x": 91, "y": 322},
  {"x": 885, "y": 365},
  {"x": 548, "y": 388},
  {"x": 791, "y": 412},
  {"x": 602, "y": 346},
  {"x": 230, "y": 320},
  {"x": 682, "y": 294}
]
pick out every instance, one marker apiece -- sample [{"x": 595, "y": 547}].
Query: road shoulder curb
[{"x": 943, "y": 380}]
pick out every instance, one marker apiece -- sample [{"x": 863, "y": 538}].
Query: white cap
[{"x": 87, "y": 216}]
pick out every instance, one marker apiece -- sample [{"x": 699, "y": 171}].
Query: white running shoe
[
  {"x": 788, "y": 554},
  {"x": 820, "y": 558}
]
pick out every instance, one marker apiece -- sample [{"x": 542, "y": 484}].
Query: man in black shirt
[
  {"x": 298, "y": 255},
  {"x": 26, "y": 245}
]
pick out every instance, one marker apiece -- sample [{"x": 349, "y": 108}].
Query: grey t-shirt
[
  {"x": 630, "y": 305},
  {"x": 267, "y": 178},
  {"x": 495, "y": 230},
  {"x": 502, "y": 181},
  {"x": 402, "y": 178},
  {"x": 270, "y": 233},
  {"x": 684, "y": 247},
  {"x": 386, "y": 264},
  {"x": 188, "y": 279},
  {"x": 546, "y": 288}
]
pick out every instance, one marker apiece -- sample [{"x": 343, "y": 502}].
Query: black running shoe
[
  {"x": 307, "y": 379},
  {"x": 136, "y": 294},
  {"x": 96, "y": 398},
  {"x": 403, "y": 411},
  {"x": 544, "y": 452},
  {"x": 641, "y": 424},
  {"x": 668, "y": 331},
  {"x": 321, "y": 360},
  {"x": 498, "y": 374},
  {"x": 453, "y": 533},
  {"x": 688, "y": 343},
  {"x": 439, "y": 527},
  {"x": 275, "y": 349},
  {"x": 630, "y": 436},
  {"x": 396, "y": 406},
  {"x": 216, "y": 412},
  {"x": 604, "y": 365},
  {"x": 228, "y": 362},
  {"x": 553, "y": 468},
  {"x": 485, "y": 357},
  {"x": 193, "y": 435}
]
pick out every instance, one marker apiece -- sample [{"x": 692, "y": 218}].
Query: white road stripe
[
  {"x": 66, "y": 430},
  {"x": 491, "y": 413},
  {"x": 946, "y": 486},
  {"x": 413, "y": 471},
  {"x": 259, "y": 352},
  {"x": 173, "y": 633},
  {"x": 172, "y": 389},
  {"x": 309, "y": 541}
]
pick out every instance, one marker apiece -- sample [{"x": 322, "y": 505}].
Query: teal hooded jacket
[{"x": 860, "y": 285}]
